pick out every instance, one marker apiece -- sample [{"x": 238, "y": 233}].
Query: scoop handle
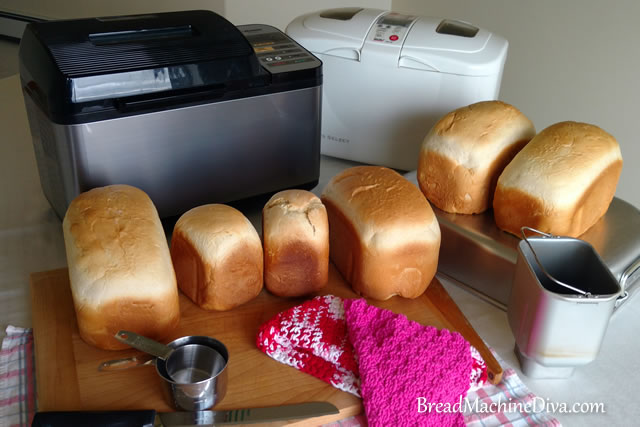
[
  {"x": 126, "y": 363},
  {"x": 145, "y": 344}
]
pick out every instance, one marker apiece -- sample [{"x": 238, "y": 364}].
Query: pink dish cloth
[
  {"x": 313, "y": 337},
  {"x": 401, "y": 362}
]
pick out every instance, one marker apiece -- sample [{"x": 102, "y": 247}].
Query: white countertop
[{"x": 31, "y": 240}]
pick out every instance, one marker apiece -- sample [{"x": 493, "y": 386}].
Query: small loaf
[
  {"x": 119, "y": 266},
  {"x": 464, "y": 153},
  {"x": 295, "y": 232},
  {"x": 561, "y": 183},
  {"x": 217, "y": 255},
  {"x": 384, "y": 236}
]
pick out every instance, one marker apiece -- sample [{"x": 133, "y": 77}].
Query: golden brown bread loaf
[
  {"x": 295, "y": 233},
  {"x": 119, "y": 266},
  {"x": 217, "y": 255},
  {"x": 561, "y": 183},
  {"x": 384, "y": 237},
  {"x": 465, "y": 152}
]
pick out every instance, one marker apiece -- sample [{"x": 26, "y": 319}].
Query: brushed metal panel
[{"x": 189, "y": 156}]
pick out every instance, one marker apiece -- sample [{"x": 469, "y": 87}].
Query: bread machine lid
[
  {"x": 101, "y": 67},
  {"x": 337, "y": 32},
  {"x": 397, "y": 40},
  {"x": 452, "y": 47}
]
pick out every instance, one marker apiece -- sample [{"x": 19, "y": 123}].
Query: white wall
[
  {"x": 568, "y": 60},
  {"x": 280, "y": 12},
  {"x": 273, "y": 12}
]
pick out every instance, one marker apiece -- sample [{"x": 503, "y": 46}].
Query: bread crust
[
  {"x": 384, "y": 236},
  {"x": 561, "y": 183},
  {"x": 119, "y": 266},
  {"x": 144, "y": 316},
  {"x": 516, "y": 208},
  {"x": 464, "y": 153},
  {"x": 295, "y": 232},
  {"x": 217, "y": 255}
]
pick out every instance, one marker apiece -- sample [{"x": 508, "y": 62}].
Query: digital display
[{"x": 396, "y": 20}]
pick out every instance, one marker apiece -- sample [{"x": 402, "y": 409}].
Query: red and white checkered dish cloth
[
  {"x": 17, "y": 378},
  {"x": 312, "y": 337}
]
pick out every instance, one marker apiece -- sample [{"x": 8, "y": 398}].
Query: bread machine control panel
[
  {"x": 391, "y": 28},
  {"x": 276, "y": 51}
]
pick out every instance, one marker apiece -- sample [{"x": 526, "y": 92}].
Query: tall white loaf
[
  {"x": 119, "y": 266},
  {"x": 561, "y": 182},
  {"x": 384, "y": 238},
  {"x": 295, "y": 231},
  {"x": 217, "y": 254},
  {"x": 465, "y": 152}
]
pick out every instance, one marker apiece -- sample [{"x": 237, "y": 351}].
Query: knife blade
[
  {"x": 151, "y": 418},
  {"x": 246, "y": 416}
]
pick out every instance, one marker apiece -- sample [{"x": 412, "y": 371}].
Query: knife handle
[{"x": 143, "y": 418}]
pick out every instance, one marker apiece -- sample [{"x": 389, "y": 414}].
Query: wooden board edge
[
  {"x": 345, "y": 412},
  {"x": 55, "y": 333},
  {"x": 452, "y": 313}
]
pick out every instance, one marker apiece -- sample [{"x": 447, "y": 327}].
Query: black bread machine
[{"x": 184, "y": 105}]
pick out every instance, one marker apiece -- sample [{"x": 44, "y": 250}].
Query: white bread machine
[{"x": 389, "y": 77}]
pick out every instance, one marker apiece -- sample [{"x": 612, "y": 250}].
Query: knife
[{"x": 151, "y": 418}]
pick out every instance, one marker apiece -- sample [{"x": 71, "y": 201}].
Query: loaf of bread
[
  {"x": 217, "y": 255},
  {"x": 119, "y": 266},
  {"x": 295, "y": 233},
  {"x": 561, "y": 183},
  {"x": 384, "y": 237},
  {"x": 465, "y": 152}
]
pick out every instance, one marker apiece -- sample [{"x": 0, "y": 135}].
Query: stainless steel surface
[
  {"x": 186, "y": 364},
  {"x": 616, "y": 238},
  {"x": 188, "y": 156},
  {"x": 489, "y": 254},
  {"x": 556, "y": 329},
  {"x": 476, "y": 253},
  {"x": 203, "y": 394},
  {"x": 246, "y": 416}
]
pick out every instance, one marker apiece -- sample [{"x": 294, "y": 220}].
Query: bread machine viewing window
[
  {"x": 456, "y": 28},
  {"x": 343, "y": 14}
]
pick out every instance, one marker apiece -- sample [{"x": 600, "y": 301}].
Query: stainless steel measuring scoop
[
  {"x": 194, "y": 375},
  {"x": 187, "y": 364}
]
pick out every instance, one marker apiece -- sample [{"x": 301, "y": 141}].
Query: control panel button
[{"x": 393, "y": 37}]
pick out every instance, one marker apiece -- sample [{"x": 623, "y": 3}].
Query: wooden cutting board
[{"x": 67, "y": 368}]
